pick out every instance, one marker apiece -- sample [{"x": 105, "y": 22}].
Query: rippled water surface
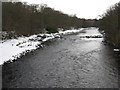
[{"x": 69, "y": 62}]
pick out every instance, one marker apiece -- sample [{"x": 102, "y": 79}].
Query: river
[{"x": 67, "y": 62}]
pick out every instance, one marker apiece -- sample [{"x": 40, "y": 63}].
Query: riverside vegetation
[
  {"x": 27, "y": 19},
  {"x": 110, "y": 24},
  {"x": 31, "y": 19}
]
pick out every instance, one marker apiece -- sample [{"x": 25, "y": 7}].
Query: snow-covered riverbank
[{"x": 15, "y": 48}]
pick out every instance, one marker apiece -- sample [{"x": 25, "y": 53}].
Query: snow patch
[
  {"x": 15, "y": 48},
  {"x": 116, "y": 50}
]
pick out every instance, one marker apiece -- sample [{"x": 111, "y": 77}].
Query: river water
[{"x": 68, "y": 62}]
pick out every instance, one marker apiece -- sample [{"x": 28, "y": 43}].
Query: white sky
[{"x": 82, "y": 8}]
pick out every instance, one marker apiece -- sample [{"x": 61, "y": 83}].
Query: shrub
[{"x": 52, "y": 30}]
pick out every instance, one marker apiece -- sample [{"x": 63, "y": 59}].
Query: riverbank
[{"x": 13, "y": 49}]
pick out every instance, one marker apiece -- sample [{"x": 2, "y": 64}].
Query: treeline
[
  {"x": 110, "y": 24},
  {"x": 29, "y": 19}
]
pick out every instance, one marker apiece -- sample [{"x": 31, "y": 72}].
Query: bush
[
  {"x": 110, "y": 23},
  {"x": 51, "y": 30},
  {"x": 8, "y": 35}
]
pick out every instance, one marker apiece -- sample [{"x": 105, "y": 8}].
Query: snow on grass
[
  {"x": 70, "y": 31},
  {"x": 116, "y": 50},
  {"x": 15, "y": 48}
]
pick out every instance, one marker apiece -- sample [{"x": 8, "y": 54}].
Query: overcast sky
[{"x": 88, "y": 9}]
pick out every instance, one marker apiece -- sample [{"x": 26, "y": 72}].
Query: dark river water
[{"x": 68, "y": 62}]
